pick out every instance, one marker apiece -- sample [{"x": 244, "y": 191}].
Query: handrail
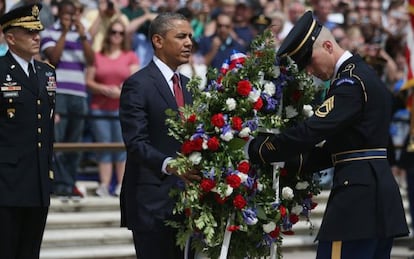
[{"x": 88, "y": 146}]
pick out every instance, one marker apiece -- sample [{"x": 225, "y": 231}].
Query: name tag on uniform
[{"x": 10, "y": 94}]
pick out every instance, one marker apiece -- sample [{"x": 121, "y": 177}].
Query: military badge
[
  {"x": 35, "y": 11},
  {"x": 325, "y": 108},
  {"x": 10, "y": 113}
]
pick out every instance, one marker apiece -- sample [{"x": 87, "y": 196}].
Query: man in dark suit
[
  {"x": 26, "y": 135},
  {"x": 364, "y": 211},
  {"x": 146, "y": 95}
]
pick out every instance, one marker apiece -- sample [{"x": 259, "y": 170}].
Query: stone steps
[
  {"x": 120, "y": 251},
  {"x": 89, "y": 228}
]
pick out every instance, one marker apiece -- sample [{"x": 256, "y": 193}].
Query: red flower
[
  {"x": 219, "y": 79},
  {"x": 187, "y": 147},
  {"x": 233, "y": 228},
  {"x": 218, "y": 120},
  {"x": 239, "y": 202},
  {"x": 233, "y": 180},
  {"x": 283, "y": 172},
  {"x": 313, "y": 205},
  {"x": 293, "y": 218},
  {"x": 243, "y": 167},
  {"x": 187, "y": 212},
  {"x": 296, "y": 95},
  {"x": 258, "y": 53},
  {"x": 258, "y": 104},
  {"x": 213, "y": 144},
  {"x": 207, "y": 184},
  {"x": 219, "y": 199},
  {"x": 197, "y": 144},
  {"x": 192, "y": 118},
  {"x": 244, "y": 87},
  {"x": 275, "y": 233},
  {"x": 237, "y": 123},
  {"x": 282, "y": 210}
]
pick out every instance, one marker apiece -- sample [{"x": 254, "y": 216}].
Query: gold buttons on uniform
[
  {"x": 39, "y": 130},
  {"x": 10, "y": 100},
  {"x": 39, "y": 144},
  {"x": 346, "y": 182},
  {"x": 38, "y": 101},
  {"x": 39, "y": 116}
]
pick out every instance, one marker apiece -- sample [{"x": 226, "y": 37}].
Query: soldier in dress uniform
[
  {"x": 27, "y": 103},
  {"x": 364, "y": 212}
]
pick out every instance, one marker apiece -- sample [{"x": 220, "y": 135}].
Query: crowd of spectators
[{"x": 372, "y": 28}]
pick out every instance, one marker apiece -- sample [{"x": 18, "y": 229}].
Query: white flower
[
  {"x": 245, "y": 132},
  {"x": 291, "y": 112},
  {"x": 302, "y": 185},
  {"x": 228, "y": 191},
  {"x": 307, "y": 110},
  {"x": 260, "y": 187},
  {"x": 297, "y": 209},
  {"x": 276, "y": 71},
  {"x": 254, "y": 95},
  {"x": 261, "y": 75},
  {"x": 207, "y": 94},
  {"x": 204, "y": 145},
  {"x": 269, "y": 88},
  {"x": 243, "y": 177},
  {"x": 231, "y": 104},
  {"x": 195, "y": 158},
  {"x": 287, "y": 193},
  {"x": 227, "y": 136},
  {"x": 269, "y": 227}
]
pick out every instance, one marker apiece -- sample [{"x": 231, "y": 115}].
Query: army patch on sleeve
[
  {"x": 345, "y": 81},
  {"x": 325, "y": 108}
]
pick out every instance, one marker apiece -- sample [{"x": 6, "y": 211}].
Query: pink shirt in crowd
[{"x": 112, "y": 72}]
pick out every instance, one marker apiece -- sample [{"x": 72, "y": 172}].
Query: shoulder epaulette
[
  {"x": 50, "y": 65},
  {"x": 348, "y": 76}
]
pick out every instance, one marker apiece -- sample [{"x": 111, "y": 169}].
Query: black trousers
[
  {"x": 357, "y": 249},
  {"x": 21, "y": 231},
  {"x": 158, "y": 245}
]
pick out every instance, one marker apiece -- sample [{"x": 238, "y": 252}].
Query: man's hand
[{"x": 188, "y": 177}]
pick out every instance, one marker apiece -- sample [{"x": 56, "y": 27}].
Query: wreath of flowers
[{"x": 251, "y": 92}]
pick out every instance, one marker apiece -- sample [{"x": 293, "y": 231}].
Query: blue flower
[{"x": 249, "y": 216}]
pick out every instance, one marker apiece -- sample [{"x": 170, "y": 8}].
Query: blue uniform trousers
[{"x": 355, "y": 249}]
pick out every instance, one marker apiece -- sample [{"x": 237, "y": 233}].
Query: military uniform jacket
[
  {"x": 26, "y": 134},
  {"x": 365, "y": 201}
]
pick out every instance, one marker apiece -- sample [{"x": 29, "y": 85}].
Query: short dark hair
[
  {"x": 64, "y": 3},
  {"x": 163, "y": 23}
]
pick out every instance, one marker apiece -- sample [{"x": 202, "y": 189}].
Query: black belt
[{"x": 361, "y": 154}]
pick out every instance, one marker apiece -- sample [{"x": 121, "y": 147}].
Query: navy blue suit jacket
[{"x": 145, "y": 201}]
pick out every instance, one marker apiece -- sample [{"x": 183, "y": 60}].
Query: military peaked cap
[
  {"x": 26, "y": 17},
  {"x": 298, "y": 43}
]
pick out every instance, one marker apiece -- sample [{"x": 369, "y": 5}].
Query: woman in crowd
[{"x": 113, "y": 64}]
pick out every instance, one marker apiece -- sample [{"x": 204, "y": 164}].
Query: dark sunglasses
[
  {"x": 117, "y": 32},
  {"x": 219, "y": 25}
]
